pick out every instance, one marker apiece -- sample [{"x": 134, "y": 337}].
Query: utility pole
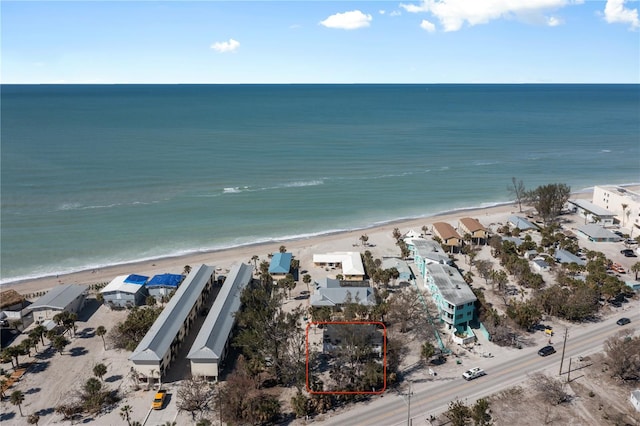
[
  {"x": 569, "y": 372},
  {"x": 564, "y": 344},
  {"x": 409, "y": 405}
]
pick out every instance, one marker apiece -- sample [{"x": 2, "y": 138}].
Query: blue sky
[{"x": 433, "y": 41}]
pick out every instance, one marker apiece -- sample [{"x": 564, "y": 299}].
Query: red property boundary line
[{"x": 384, "y": 358}]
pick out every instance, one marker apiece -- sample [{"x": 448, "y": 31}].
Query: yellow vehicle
[
  {"x": 548, "y": 332},
  {"x": 158, "y": 401}
]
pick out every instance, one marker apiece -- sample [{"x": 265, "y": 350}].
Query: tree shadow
[
  {"x": 78, "y": 351},
  {"x": 113, "y": 378},
  {"x": 7, "y": 416},
  {"x": 45, "y": 411},
  {"x": 46, "y": 354},
  {"x": 32, "y": 391},
  {"x": 39, "y": 367},
  {"x": 86, "y": 333}
]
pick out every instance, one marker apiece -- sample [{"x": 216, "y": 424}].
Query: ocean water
[{"x": 99, "y": 175}]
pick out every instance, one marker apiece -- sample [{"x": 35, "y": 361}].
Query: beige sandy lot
[{"x": 66, "y": 372}]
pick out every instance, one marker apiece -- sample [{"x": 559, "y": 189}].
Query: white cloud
[
  {"x": 382, "y": 12},
  {"x": 395, "y": 13},
  {"x": 616, "y": 13},
  {"x": 348, "y": 20},
  {"x": 554, "y": 21},
  {"x": 452, "y": 14},
  {"x": 225, "y": 46},
  {"x": 427, "y": 26}
]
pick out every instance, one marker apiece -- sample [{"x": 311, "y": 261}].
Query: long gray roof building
[
  {"x": 59, "y": 297},
  {"x": 157, "y": 342},
  {"x": 212, "y": 339}
]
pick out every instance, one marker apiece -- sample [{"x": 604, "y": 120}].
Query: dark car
[
  {"x": 628, "y": 253},
  {"x": 623, "y": 321},
  {"x": 547, "y": 350},
  {"x": 615, "y": 303}
]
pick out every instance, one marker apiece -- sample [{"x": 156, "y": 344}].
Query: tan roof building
[
  {"x": 473, "y": 227},
  {"x": 447, "y": 234}
]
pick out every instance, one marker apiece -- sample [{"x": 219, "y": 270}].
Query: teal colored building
[{"x": 451, "y": 294}]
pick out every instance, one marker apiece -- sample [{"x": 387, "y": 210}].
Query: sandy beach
[{"x": 380, "y": 243}]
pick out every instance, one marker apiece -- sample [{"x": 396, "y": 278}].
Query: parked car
[
  {"x": 628, "y": 253},
  {"x": 618, "y": 233},
  {"x": 158, "y": 400},
  {"x": 615, "y": 303},
  {"x": 547, "y": 350},
  {"x": 623, "y": 321},
  {"x": 631, "y": 241},
  {"x": 474, "y": 373}
]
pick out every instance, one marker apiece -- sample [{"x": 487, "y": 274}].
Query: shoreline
[{"x": 301, "y": 246}]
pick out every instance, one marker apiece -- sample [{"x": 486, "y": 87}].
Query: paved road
[{"x": 434, "y": 398}]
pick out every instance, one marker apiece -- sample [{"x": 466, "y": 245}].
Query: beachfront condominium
[
  {"x": 622, "y": 202},
  {"x": 452, "y": 296}
]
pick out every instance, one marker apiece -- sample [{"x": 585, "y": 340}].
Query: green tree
[
  {"x": 59, "y": 343},
  {"x": 127, "y": 334},
  {"x": 427, "y": 351},
  {"x": 300, "y": 404},
  {"x": 99, "y": 370},
  {"x": 39, "y": 331},
  {"x": 151, "y": 300},
  {"x": 186, "y": 270},
  {"x": 636, "y": 268},
  {"x": 480, "y": 413},
  {"x": 255, "y": 259},
  {"x": 282, "y": 249},
  {"x": 549, "y": 200},
  {"x": 17, "y": 398},
  {"x": 306, "y": 278},
  {"x": 458, "y": 413},
  {"x": 396, "y": 234},
  {"x": 33, "y": 419},
  {"x": 101, "y": 331},
  {"x": 364, "y": 238}
]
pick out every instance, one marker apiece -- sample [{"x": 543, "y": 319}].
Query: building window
[{"x": 459, "y": 316}]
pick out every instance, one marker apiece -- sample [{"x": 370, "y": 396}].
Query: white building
[
  {"x": 125, "y": 291},
  {"x": 635, "y": 399},
  {"x": 349, "y": 261},
  {"x": 210, "y": 347},
  {"x": 68, "y": 298},
  {"x": 613, "y": 198},
  {"x": 160, "y": 345}
]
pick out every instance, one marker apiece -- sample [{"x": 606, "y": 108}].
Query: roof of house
[
  {"x": 59, "y": 297},
  {"x": 592, "y": 208},
  {"x": 445, "y": 230},
  {"x": 471, "y": 224},
  {"x": 541, "y": 263},
  {"x": 165, "y": 280},
  {"x": 350, "y": 260},
  {"x": 213, "y": 336},
  {"x": 564, "y": 256},
  {"x": 122, "y": 284},
  {"x": 521, "y": 223},
  {"x": 450, "y": 284},
  {"x": 9, "y": 298},
  {"x": 401, "y": 266},
  {"x": 515, "y": 240},
  {"x": 595, "y": 231},
  {"x": 337, "y": 296},
  {"x": 155, "y": 344},
  {"x": 429, "y": 249},
  {"x": 280, "y": 263}
]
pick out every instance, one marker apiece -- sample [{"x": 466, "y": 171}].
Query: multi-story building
[
  {"x": 452, "y": 296},
  {"x": 622, "y": 202}
]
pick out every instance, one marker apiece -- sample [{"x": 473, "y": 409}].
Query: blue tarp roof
[
  {"x": 280, "y": 263},
  {"x": 136, "y": 279},
  {"x": 166, "y": 280}
]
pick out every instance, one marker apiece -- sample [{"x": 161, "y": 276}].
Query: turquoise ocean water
[{"x": 99, "y": 175}]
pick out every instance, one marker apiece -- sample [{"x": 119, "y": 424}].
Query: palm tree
[
  {"x": 636, "y": 268},
  {"x": 99, "y": 370},
  {"x": 40, "y": 331},
  {"x": 255, "y": 258},
  {"x": 33, "y": 419},
  {"x": 17, "y": 398},
  {"x": 396, "y": 234},
  {"x": 624, "y": 208},
  {"x": 101, "y": 331},
  {"x": 282, "y": 249},
  {"x": 306, "y": 278},
  {"x": 125, "y": 413},
  {"x": 425, "y": 229},
  {"x": 186, "y": 270},
  {"x": 364, "y": 238}
]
